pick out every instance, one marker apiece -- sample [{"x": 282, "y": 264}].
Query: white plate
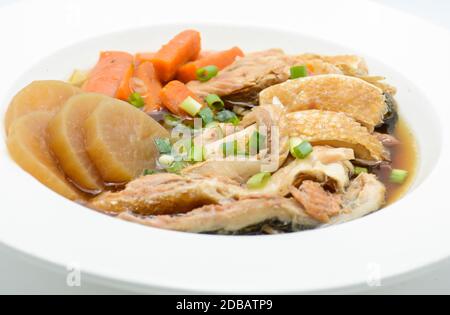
[{"x": 402, "y": 239}]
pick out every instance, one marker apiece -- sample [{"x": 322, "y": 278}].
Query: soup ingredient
[
  {"x": 182, "y": 48},
  {"x": 258, "y": 180},
  {"x": 398, "y": 176},
  {"x": 67, "y": 140},
  {"x": 39, "y": 96},
  {"x": 237, "y": 170},
  {"x": 214, "y": 102},
  {"x": 364, "y": 196},
  {"x": 120, "y": 140},
  {"x": 168, "y": 194},
  {"x": 355, "y": 97},
  {"x": 351, "y": 65},
  {"x": 78, "y": 77},
  {"x": 143, "y": 57},
  {"x": 124, "y": 90},
  {"x": 191, "y": 106},
  {"x": 247, "y": 76},
  {"x": 227, "y": 116},
  {"x": 318, "y": 203},
  {"x": 206, "y": 115},
  {"x": 336, "y": 130},
  {"x": 358, "y": 170},
  {"x": 136, "y": 100},
  {"x": 146, "y": 83},
  {"x": 109, "y": 72},
  {"x": 299, "y": 148},
  {"x": 173, "y": 94},
  {"x": 163, "y": 145},
  {"x": 27, "y": 144},
  {"x": 220, "y": 59},
  {"x": 298, "y": 72},
  {"x": 206, "y": 73}
]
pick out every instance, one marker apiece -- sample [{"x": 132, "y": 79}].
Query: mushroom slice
[
  {"x": 168, "y": 194},
  {"x": 336, "y": 130},
  {"x": 364, "y": 102}
]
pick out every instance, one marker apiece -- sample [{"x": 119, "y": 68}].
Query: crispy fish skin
[
  {"x": 355, "y": 97},
  {"x": 336, "y": 130},
  {"x": 168, "y": 194},
  {"x": 365, "y": 195}
]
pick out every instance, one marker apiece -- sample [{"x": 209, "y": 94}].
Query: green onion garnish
[
  {"x": 206, "y": 73},
  {"x": 299, "y": 148},
  {"x": 197, "y": 153},
  {"x": 398, "y": 176},
  {"x": 207, "y": 115},
  {"x": 171, "y": 120},
  {"x": 259, "y": 180},
  {"x": 359, "y": 170},
  {"x": 136, "y": 100},
  {"x": 151, "y": 172},
  {"x": 166, "y": 160},
  {"x": 214, "y": 101},
  {"x": 163, "y": 145},
  {"x": 176, "y": 167},
  {"x": 227, "y": 116},
  {"x": 212, "y": 124},
  {"x": 191, "y": 106},
  {"x": 299, "y": 72},
  {"x": 230, "y": 148},
  {"x": 256, "y": 143}
]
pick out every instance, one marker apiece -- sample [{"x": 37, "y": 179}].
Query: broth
[{"x": 404, "y": 156}]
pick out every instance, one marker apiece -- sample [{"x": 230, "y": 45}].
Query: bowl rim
[{"x": 108, "y": 275}]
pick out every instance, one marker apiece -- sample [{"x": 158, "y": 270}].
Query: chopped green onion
[
  {"x": 214, "y": 101},
  {"x": 197, "y": 153},
  {"x": 176, "y": 167},
  {"x": 206, "y": 73},
  {"x": 259, "y": 180},
  {"x": 359, "y": 170},
  {"x": 136, "y": 100},
  {"x": 398, "y": 176},
  {"x": 166, "y": 160},
  {"x": 301, "y": 150},
  {"x": 207, "y": 115},
  {"x": 151, "y": 172},
  {"x": 227, "y": 116},
  {"x": 299, "y": 72},
  {"x": 230, "y": 148},
  {"x": 171, "y": 120},
  {"x": 256, "y": 143},
  {"x": 191, "y": 106},
  {"x": 212, "y": 124},
  {"x": 163, "y": 145}
]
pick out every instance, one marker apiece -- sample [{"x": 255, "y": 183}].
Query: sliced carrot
[
  {"x": 146, "y": 83},
  {"x": 219, "y": 59},
  {"x": 204, "y": 53},
  {"x": 108, "y": 73},
  {"x": 182, "y": 48},
  {"x": 173, "y": 94},
  {"x": 124, "y": 90},
  {"x": 143, "y": 57}
]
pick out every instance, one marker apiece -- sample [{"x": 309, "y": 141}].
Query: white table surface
[{"x": 18, "y": 275}]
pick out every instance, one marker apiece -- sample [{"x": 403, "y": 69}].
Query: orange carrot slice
[
  {"x": 173, "y": 94},
  {"x": 219, "y": 59},
  {"x": 108, "y": 73},
  {"x": 182, "y": 48},
  {"x": 146, "y": 83},
  {"x": 143, "y": 57},
  {"x": 124, "y": 90}
]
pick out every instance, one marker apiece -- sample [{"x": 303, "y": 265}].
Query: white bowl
[{"x": 400, "y": 239}]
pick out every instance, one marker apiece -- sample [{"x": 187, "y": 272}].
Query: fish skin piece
[
  {"x": 363, "y": 101},
  {"x": 334, "y": 129},
  {"x": 365, "y": 195},
  {"x": 167, "y": 193}
]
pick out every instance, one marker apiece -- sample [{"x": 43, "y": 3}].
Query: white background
[{"x": 17, "y": 275}]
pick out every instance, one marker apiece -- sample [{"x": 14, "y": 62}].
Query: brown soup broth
[{"x": 404, "y": 156}]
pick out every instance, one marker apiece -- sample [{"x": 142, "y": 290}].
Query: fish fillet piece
[
  {"x": 318, "y": 203},
  {"x": 168, "y": 194},
  {"x": 349, "y": 64},
  {"x": 364, "y": 196},
  {"x": 357, "y": 98},
  {"x": 336, "y": 130},
  {"x": 247, "y": 76},
  {"x": 237, "y": 169},
  {"x": 335, "y": 174}
]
